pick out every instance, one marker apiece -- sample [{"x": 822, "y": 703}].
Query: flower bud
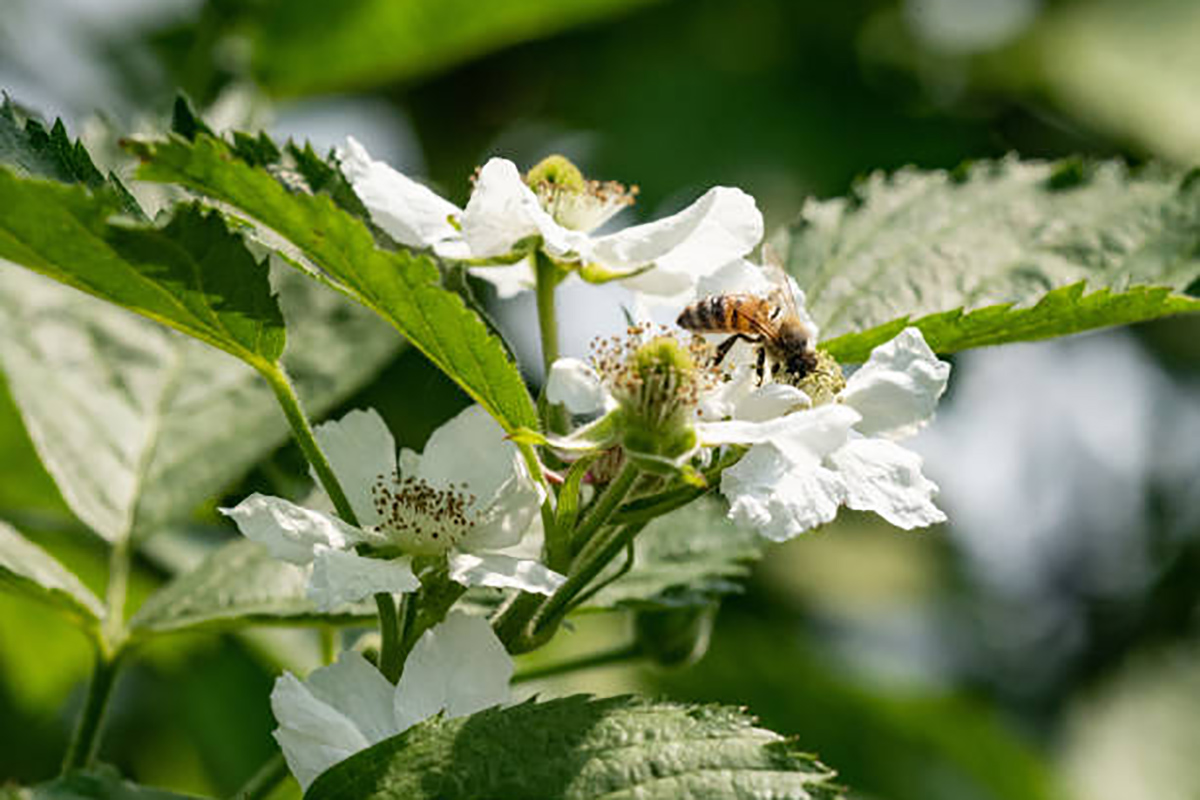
[
  {"x": 675, "y": 637},
  {"x": 657, "y": 382}
]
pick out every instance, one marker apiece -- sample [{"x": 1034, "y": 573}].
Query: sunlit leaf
[
  {"x": 402, "y": 287},
  {"x": 1058, "y": 313},
  {"x": 917, "y": 243},
  {"x": 579, "y": 748},
  {"x": 192, "y": 274},
  {"x": 139, "y": 425},
  {"x": 30, "y": 570},
  {"x": 237, "y": 585}
]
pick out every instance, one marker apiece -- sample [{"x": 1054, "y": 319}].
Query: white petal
[
  {"x": 770, "y": 401},
  {"x": 503, "y": 210},
  {"x": 883, "y": 477},
  {"x": 778, "y": 496},
  {"x": 805, "y": 436},
  {"x": 340, "y": 577},
  {"x": 898, "y": 388},
  {"x": 720, "y": 227},
  {"x": 290, "y": 532},
  {"x": 503, "y": 572},
  {"x": 575, "y": 384},
  {"x": 504, "y": 520},
  {"x": 339, "y": 710},
  {"x": 472, "y": 448},
  {"x": 360, "y": 449},
  {"x": 458, "y": 666},
  {"x": 412, "y": 214},
  {"x": 509, "y": 279}
]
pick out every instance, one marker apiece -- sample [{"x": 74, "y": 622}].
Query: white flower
[
  {"x": 805, "y": 462},
  {"x": 469, "y": 496},
  {"x": 458, "y": 666},
  {"x": 665, "y": 257},
  {"x": 804, "y": 465}
]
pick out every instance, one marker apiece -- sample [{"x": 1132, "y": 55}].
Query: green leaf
[
  {"x": 1058, "y": 313},
  {"x": 578, "y": 748},
  {"x": 138, "y": 425},
  {"x": 685, "y": 559},
  {"x": 918, "y": 243},
  {"x": 238, "y": 584},
  {"x": 30, "y": 570},
  {"x": 192, "y": 274},
  {"x": 306, "y": 47},
  {"x": 98, "y": 784},
  {"x": 401, "y": 287}
]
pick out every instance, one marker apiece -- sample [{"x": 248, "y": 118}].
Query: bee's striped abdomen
[{"x": 714, "y": 314}]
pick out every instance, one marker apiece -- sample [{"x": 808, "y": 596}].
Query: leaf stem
[
  {"x": 264, "y": 779},
  {"x": 302, "y": 430},
  {"x": 86, "y": 740},
  {"x": 604, "y": 658},
  {"x": 391, "y": 658}
]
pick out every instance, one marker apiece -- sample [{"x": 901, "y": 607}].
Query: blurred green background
[{"x": 1043, "y": 645}]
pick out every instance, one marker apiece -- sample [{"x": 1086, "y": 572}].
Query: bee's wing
[{"x": 781, "y": 287}]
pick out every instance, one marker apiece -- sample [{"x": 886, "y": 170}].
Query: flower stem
[
  {"x": 86, "y": 741},
  {"x": 548, "y": 275},
  {"x": 589, "y": 564},
  {"x": 302, "y": 430},
  {"x": 604, "y": 658},
  {"x": 610, "y": 499},
  {"x": 390, "y": 660},
  {"x": 110, "y": 645},
  {"x": 264, "y": 779}
]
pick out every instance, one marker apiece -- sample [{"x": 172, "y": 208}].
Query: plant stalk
[
  {"x": 264, "y": 780},
  {"x": 604, "y": 658},
  {"x": 604, "y": 506},
  {"x": 86, "y": 740}
]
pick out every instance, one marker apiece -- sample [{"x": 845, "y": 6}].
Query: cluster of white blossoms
[
  {"x": 467, "y": 502},
  {"x": 810, "y": 452}
]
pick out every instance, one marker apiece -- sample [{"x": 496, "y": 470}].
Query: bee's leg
[
  {"x": 724, "y": 347},
  {"x": 760, "y": 366}
]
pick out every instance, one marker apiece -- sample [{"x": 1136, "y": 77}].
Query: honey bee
[{"x": 772, "y": 323}]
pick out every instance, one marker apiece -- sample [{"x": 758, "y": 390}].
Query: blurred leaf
[
  {"x": 1058, "y": 313},
  {"x": 28, "y": 569},
  {"x": 100, "y": 784},
  {"x": 401, "y": 287},
  {"x": 191, "y": 274},
  {"x": 578, "y": 747},
  {"x": 311, "y": 47},
  {"x": 138, "y": 425},
  {"x": 917, "y": 243},
  {"x": 1132, "y": 69},
  {"x": 238, "y": 585},
  {"x": 687, "y": 558},
  {"x": 887, "y": 741}
]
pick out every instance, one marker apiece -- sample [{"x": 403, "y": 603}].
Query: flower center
[
  {"x": 422, "y": 519},
  {"x": 658, "y": 381},
  {"x": 574, "y": 201},
  {"x": 824, "y": 381}
]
